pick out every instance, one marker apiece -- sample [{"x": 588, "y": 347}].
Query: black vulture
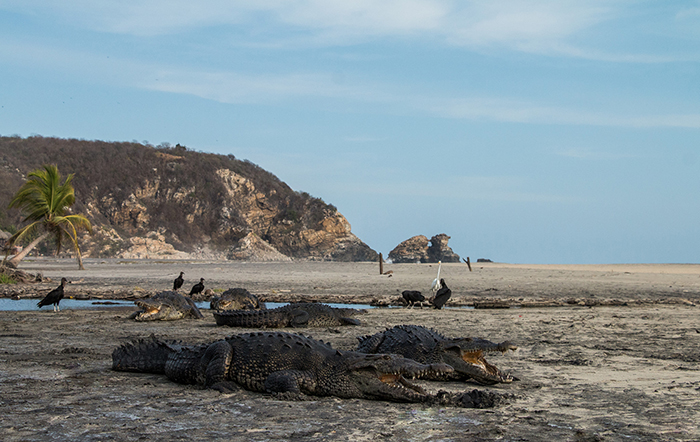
[
  {"x": 412, "y": 297},
  {"x": 54, "y": 296},
  {"x": 178, "y": 282},
  {"x": 197, "y": 288},
  {"x": 441, "y": 297}
]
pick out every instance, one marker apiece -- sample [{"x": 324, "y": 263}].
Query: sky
[{"x": 528, "y": 131}]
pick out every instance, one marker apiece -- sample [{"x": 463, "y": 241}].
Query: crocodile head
[
  {"x": 152, "y": 310},
  {"x": 385, "y": 377},
  {"x": 166, "y": 306},
  {"x": 226, "y": 304},
  {"x": 235, "y": 299},
  {"x": 466, "y": 355}
]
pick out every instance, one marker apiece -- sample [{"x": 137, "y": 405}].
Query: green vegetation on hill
[{"x": 135, "y": 188}]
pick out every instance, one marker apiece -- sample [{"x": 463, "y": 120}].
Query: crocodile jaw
[
  {"x": 384, "y": 377},
  {"x": 479, "y": 369}
]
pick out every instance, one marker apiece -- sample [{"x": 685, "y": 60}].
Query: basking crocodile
[
  {"x": 236, "y": 299},
  {"x": 166, "y": 306},
  {"x": 465, "y": 355},
  {"x": 290, "y": 366},
  {"x": 299, "y": 314}
]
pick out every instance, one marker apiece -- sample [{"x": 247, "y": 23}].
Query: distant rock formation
[
  {"x": 416, "y": 249},
  {"x": 440, "y": 251},
  {"x": 412, "y": 250}
]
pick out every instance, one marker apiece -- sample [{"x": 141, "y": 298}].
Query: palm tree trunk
[
  {"x": 15, "y": 260},
  {"x": 80, "y": 259}
]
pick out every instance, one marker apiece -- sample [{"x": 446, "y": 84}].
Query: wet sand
[{"x": 616, "y": 358}]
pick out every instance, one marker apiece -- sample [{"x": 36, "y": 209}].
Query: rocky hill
[{"x": 173, "y": 202}]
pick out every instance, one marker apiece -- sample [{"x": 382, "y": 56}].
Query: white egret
[{"x": 436, "y": 282}]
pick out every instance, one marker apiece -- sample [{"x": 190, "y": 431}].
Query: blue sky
[{"x": 528, "y": 131}]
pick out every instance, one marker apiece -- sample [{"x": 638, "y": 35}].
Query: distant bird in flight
[
  {"x": 178, "y": 282},
  {"x": 197, "y": 288},
  {"x": 442, "y": 295},
  {"x": 54, "y": 296}
]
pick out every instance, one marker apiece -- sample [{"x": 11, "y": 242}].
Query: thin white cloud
[
  {"x": 551, "y": 27},
  {"x": 365, "y": 139},
  {"x": 526, "y": 25},
  {"x": 228, "y": 87},
  {"x": 238, "y": 87},
  {"x": 455, "y": 189},
  {"x": 222, "y": 86},
  {"x": 692, "y": 13},
  {"x": 233, "y": 87},
  {"x": 528, "y": 112}
]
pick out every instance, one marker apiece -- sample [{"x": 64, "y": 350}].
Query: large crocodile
[
  {"x": 299, "y": 314},
  {"x": 465, "y": 355},
  {"x": 290, "y": 366},
  {"x": 166, "y": 306},
  {"x": 236, "y": 299}
]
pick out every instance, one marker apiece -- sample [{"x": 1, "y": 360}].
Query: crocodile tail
[
  {"x": 143, "y": 355},
  {"x": 252, "y": 319}
]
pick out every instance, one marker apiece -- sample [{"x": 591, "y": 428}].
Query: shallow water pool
[{"x": 7, "y": 304}]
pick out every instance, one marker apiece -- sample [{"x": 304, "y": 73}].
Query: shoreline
[{"x": 488, "y": 285}]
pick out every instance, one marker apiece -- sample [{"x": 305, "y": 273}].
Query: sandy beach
[{"x": 606, "y": 352}]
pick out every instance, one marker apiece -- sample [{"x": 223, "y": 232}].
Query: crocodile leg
[
  {"x": 216, "y": 362},
  {"x": 290, "y": 381}
]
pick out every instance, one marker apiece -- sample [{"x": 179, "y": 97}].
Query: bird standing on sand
[
  {"x": 436, "y": 282},
  {"x": 412, "y": 297},
  {"x": 178, "y": 282},
  {"x": 54, "y": 296},
  {"x": 197, "y": 288},
  {"x": 442, "y": 295}
]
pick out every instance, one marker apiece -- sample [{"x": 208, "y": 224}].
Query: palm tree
[{"x": 47, "y": 203}]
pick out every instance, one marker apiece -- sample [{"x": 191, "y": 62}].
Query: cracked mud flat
[{"x": 586, "y": 373}]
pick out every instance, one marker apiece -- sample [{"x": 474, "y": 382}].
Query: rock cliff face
[
  {"x": 416, "y": 249},
  {"x": 440, "y": 251},
  {"x": 412, "y": 250},
  {"x": 171, "y": 202}
]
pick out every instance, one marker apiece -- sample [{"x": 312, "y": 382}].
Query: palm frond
[
  {"x": 79, "y": 221},
  {"x": 45, "y": 201},
  {"x": 23, "y": 232}
]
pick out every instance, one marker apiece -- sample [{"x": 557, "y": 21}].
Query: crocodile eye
[{"x": 455, "y": 350}]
